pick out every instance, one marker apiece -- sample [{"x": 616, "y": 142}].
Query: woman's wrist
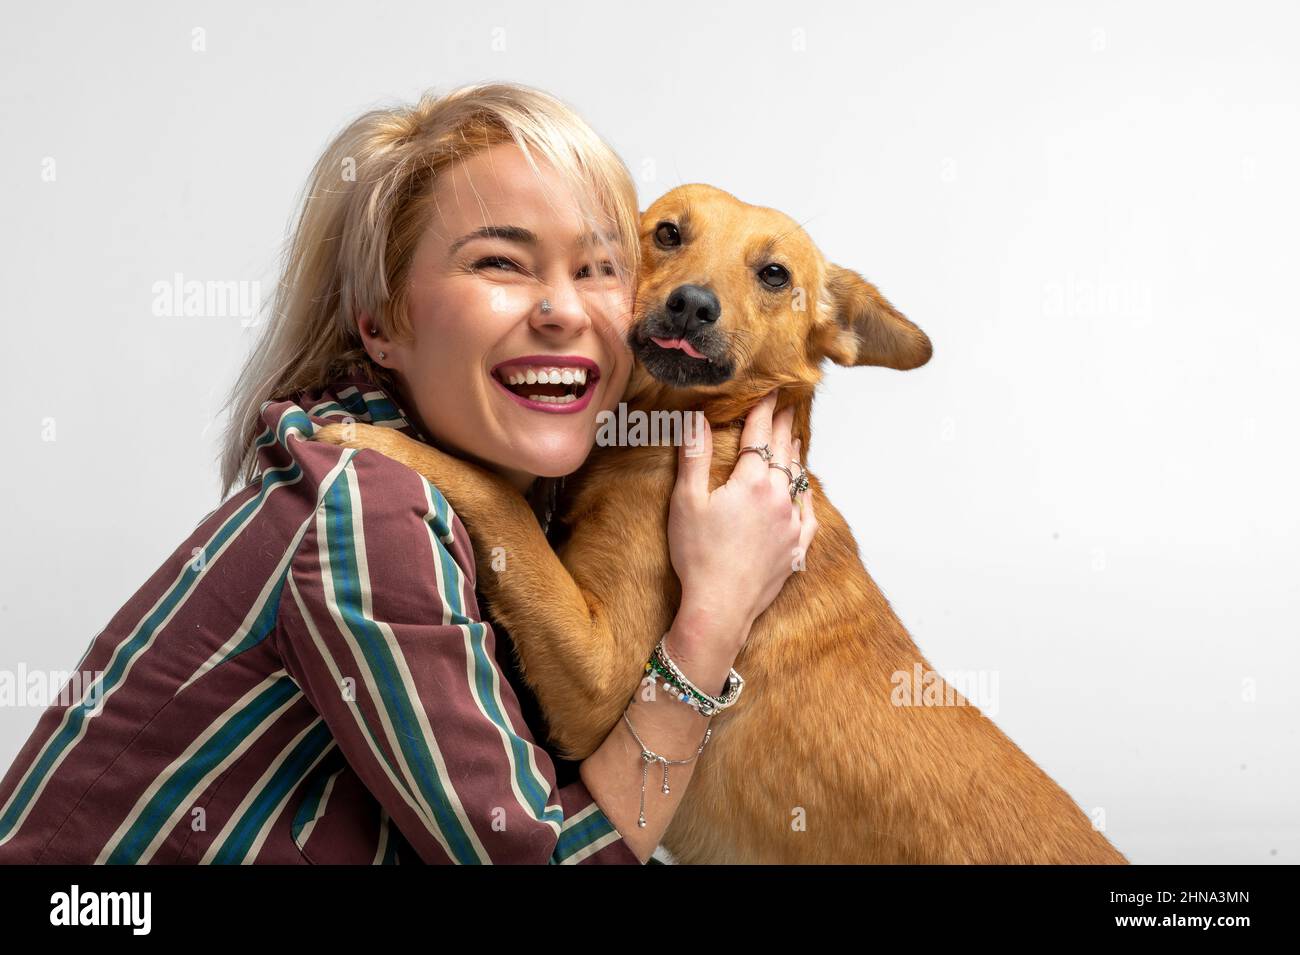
[
  {"x": 704, "y": 645},
  {"x": 700, "y": 620}
]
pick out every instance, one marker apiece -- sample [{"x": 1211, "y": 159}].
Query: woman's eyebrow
[
  {"x": 511, "y": 233},
  {"x": 514, "y": 233}
]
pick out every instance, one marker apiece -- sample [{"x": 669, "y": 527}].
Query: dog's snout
[{"x": 692, "y": 306}]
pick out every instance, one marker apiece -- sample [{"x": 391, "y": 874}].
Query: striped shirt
[{"x": 306, "y": 679}]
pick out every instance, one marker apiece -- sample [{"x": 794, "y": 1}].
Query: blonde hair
[{"x": 364, "y": 208}]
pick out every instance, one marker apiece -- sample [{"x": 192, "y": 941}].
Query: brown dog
[{"x": 817, "y": 762}]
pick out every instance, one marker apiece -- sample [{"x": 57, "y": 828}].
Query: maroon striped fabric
[{"x": 306, "y": 679}]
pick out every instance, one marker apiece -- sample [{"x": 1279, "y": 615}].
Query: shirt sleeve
[{"x": 379, "y": 626}]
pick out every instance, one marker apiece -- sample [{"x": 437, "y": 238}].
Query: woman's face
[{"x": 499, "y": 242}]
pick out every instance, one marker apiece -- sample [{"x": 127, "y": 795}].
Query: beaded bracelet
[{"x": 687, "y": 692}]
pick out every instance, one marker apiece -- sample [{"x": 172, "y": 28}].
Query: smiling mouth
[{"x": 548, "y": 387}]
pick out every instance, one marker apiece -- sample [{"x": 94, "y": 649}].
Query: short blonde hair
[{"x": 364, "y": 208}]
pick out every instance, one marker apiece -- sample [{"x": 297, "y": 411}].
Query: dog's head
[{"x": 734, "y": 299}]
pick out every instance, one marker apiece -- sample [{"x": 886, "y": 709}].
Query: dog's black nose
[{"x": 691, "y": 306}]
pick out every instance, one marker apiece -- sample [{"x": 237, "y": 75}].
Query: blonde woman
[{"x": 308, "y": 677}]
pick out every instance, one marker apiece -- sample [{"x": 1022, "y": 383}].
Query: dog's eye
[
  {"x": 667, "y": 236},
  {"x": 774, "y": 276}
]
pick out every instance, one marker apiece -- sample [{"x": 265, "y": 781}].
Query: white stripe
[{"x": 383, "y": 838}]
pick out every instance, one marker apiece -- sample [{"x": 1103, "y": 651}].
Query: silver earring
[
  {"x": 373, "y": 330},
  {"x": 546, "y": 307},
  {"x": 381, "y": 356}
]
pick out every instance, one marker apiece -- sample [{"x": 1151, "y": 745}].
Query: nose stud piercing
[{"x": 546, "y": 307}]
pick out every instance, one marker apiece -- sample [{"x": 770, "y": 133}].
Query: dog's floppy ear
[{"x": 864, "y": 329}]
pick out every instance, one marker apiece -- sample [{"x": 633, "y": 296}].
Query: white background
[{"x": 1091, "y": 209}]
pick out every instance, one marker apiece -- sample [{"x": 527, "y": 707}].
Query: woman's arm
[{"x": 379, "y": 627}]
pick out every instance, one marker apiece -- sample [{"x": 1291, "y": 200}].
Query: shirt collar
[{"x": 356, "y": 395}]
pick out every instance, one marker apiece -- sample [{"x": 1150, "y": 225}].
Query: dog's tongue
[{"x": 681, "y": 343}]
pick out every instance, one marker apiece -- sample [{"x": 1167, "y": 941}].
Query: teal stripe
[
  {"x": 440, "y": 519},
  {"x": 382, "y": 409},
  {"x": 325, "y": 408},
  {"x": 450, "y": 569},
  {"x": 578, "y": 837},
  {"x": 373, "y": 410},
  {"x": 263, "y": 623},
  {"x": 180, "y": 785},
  {"x": 77, "y": 714},
  {"x": 356, "y": 405},
  {"x": 286, "y": 776},
  {"x": 379, "y": 660},
  {"x": 294, "y": 418},
  {"x": 534, "y": 789}
]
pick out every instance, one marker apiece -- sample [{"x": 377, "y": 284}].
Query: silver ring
[
  {"x": 788, "y": 473},
  {"x": 546, "y": 307},
  {"x": 762, "y": 450}
]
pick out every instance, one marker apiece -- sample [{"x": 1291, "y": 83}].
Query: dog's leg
[{"x": 583, "y": 668}]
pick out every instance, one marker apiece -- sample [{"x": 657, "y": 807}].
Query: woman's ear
[{"x": 864, "y": 329}]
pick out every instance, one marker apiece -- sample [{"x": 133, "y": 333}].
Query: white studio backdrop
[{"x": 1088, "y": 493}]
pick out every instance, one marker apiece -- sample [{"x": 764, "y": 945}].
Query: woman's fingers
[
  {"x": 757, "y": 432},
  {"x": 782, "y": 423},
  {"x": 807, "y": 528},
  {"x": 694, "y": 458}
]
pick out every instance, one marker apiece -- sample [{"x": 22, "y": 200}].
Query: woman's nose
[{"x": 567, "y": 316}]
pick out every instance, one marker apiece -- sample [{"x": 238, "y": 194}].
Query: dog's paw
[
  {"x": 353, "y": 435},
  {"x": 342, "y": 435}
]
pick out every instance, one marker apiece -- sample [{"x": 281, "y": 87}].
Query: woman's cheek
[{"x": 504, "y": 300}]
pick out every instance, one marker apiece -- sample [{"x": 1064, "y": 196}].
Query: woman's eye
[
  {"x": 495, "y": 262},
  {"x": 774, "y": 276},
  {"x": 606, "y": 269},
  {"x": 667, "y": 236}
]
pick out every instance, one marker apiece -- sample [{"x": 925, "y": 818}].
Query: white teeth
[
  {"x": 567, "y": 375},
  {"x": 554, "y": 400}
]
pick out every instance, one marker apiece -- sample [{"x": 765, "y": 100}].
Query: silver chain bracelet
[{"x": 648, "y": 757}]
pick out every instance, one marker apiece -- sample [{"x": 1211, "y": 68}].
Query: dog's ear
[{"x": 864, "y": 329}]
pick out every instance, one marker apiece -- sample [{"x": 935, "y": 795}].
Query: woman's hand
[{"x": 734, "y": 547}]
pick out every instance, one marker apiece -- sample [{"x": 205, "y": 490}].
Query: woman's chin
[
  {"x": 553, "y": 469},
  {"x": 555, "y": 461}
]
